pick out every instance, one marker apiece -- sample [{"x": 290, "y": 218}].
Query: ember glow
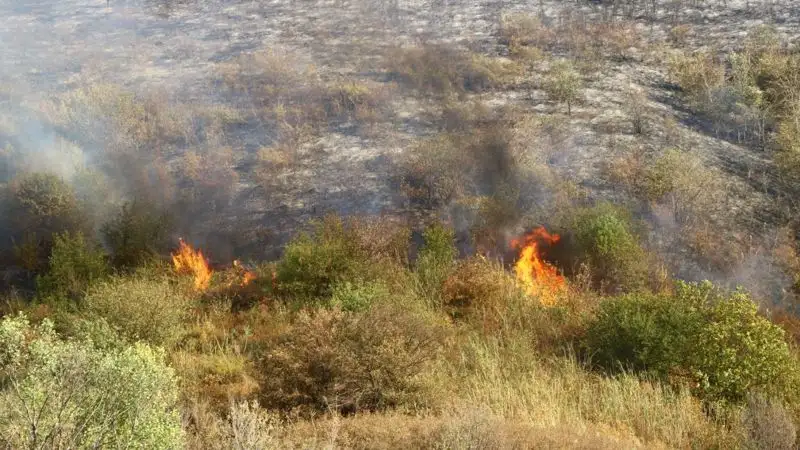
[
  {"x": 247, "y": 275},
  {"x": 538, "y": 277},
  {"x": 192, "y": 262}
]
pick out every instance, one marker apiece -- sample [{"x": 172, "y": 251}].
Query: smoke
[{"x": 138, "y": 100}]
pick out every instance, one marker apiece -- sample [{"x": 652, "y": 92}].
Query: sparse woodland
[{"x": 578, "y": 229}]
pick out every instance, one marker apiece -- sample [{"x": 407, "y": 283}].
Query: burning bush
[
  {"x": 536, "y": 276},
  {"x": 333, "y": 360}
]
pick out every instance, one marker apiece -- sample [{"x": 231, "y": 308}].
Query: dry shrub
[
  {"x": 467, "y": 428},
  {"x": 442, "y": 69},
  {"x": 693, "y": 191},
  {"x": 788, "y": 142},
  {"x": 140, "y": 307},
  {"x": 210, "y": 179},
  {"x": 479, "y": 290},
  {"x": 434, "y": 173},
  {"x": 356, "y": 101},
  {"x": 213, "y": 357},
  {"x": 769, "y": 425},
  {"x": 243, "y": 426},
  {"x": 332, "y": 360},
  {"x": 275, "y": 167},
  {"x": 461, "y": 116},
  {"x": 454, "y": 166},
  {"x": 294, "y": 98},
  {"x": 636, "y": 107},
  {"x": 526, "y": 30},
  {"x": 107, "y": 117},
  {"x": 679, "y": 34},
  {"x": 697, "y": 74},
  {"x": 583, "y": 40}
]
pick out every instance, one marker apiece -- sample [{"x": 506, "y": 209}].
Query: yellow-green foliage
[
  {"x": 337, "y": 251},
  {"x": 141, "y": 307},
  {"x": 605, "y": 240},
  {"x": 563, "y": 84},
  {"x": 697, "y": 74},
  {"x": 70, "y": 394}
]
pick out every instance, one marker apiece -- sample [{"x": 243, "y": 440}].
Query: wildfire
[
  {"x": 538, "y": 277},
  {"x": 190, "y": 261},
  {"x": 247, "y": 275}
]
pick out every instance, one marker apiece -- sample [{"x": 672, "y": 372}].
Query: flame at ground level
[
  {"x": 247, "y": 275},
  {"x": 190, "y": 261},
  {"x": 538, "y": 277}
]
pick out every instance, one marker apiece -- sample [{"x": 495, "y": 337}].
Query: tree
[
  {"x": 38, "y": 205},
  {"x": 75, "y": 263}
]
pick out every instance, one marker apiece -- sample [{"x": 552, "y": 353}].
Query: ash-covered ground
[{"x": 178, "y": 52}]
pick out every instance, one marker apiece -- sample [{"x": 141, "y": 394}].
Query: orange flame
[
  {"x": 247, "y": 276},
  {"x": 190, "y": 261},
  {"x": 537, "y": 277}
]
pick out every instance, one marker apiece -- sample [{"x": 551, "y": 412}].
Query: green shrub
[
  {"x": 74, "y": 265},
  {"x": 436, "y": 259},
  {"x": 70, "y": 394},
  {"x": 563, "y": 84},
  {"x": 715, "y": 340},
  {"x": 137, "y": 234},
  {"x": 737, "y": 350},
  {"x": 140, "y": 307},
  {"x": 333, "y": 360},
  {"x": 643, "y": 332},
  {"x": 605, "y": 240},
  {"x": 312, "y": 264},
  {"x": 335, "y": 251},
  {"x": 39, "y": 205},
  {"x": 356, "y": 297}
]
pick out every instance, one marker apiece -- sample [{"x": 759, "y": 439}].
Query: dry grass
[
  {"x": 445, "y": 70},
  {"x": 296, "y": 99},
  {"x": 510, "y": 383}
]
